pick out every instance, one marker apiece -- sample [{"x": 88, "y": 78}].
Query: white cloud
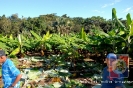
[
  {"x": 98, "y": 11},
  {"x": 129, "y": 9},
  {"x": 110, "y": 4},
  {"x": 105, "y": 5}
]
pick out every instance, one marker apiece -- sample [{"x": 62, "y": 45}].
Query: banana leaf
[
  {"x": 36, "y": 35},
  {"x": 16, "y": 51},
  {"x": 131, "y": 29}
]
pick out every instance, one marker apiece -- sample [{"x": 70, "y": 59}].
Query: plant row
[{"x": 118, "y": 40}]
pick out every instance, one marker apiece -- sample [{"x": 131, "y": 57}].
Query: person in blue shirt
[
  {"x": 10, "y": 74},
  {"x": 109, "y": 78}
]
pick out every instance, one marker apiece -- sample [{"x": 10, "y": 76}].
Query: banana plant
[
  {"x": 97, "y": 41},
  {"x": 4, "y": 47},
  {"x": 41, "y": 42},
  {"x": 7, "y": 43},
  {"x": 29, "y": 44},
  {"x": 83, "y": 34},
  {"x": 70, "y": 49},
  {"x": 116, "y": 21},
  {"x": 19, "y": 46},
  {"x": 124, "y": 32}
]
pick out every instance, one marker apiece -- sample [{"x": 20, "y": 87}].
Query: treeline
[{"x": 55, "y": 24}]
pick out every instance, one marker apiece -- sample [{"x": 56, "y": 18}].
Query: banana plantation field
[{"x": 73, "y": 60}]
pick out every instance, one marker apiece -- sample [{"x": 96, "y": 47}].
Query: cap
[
  {"x": 111, "y": 56},
  {"x": 2, "y": 53}
]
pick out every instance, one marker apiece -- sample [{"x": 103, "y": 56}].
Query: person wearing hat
[
  {"x": 109, "y": 78},
  {"x": 10, "y": 74}
]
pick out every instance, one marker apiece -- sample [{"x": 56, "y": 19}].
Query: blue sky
[{"x": 73, "y": 8}]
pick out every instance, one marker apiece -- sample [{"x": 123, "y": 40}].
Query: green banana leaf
[
  {"x": 131, "y": 29},
  {"x": 114, "y": 17},
  {"x": 129, "y": 21},
  {"x": 16, "y": 51},
  {"x": 35, "y": 35}
]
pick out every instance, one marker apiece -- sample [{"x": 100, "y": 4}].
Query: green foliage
[
  {"x": 73, "y": 84},
  {"x": 115, "y": 19},
  {"x": 19, "y": 46},
  {"x": 129, "y": 21},
  {"x": 131, "y": 29},
  {"x": 83, "y": 34},
  {"x": 16, "y": 51},
  {"x": 118, "y": 40},
  {"x": 41, "y": 41}
]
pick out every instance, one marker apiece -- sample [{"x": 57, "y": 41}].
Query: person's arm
[{"x": 16, "y": 80}]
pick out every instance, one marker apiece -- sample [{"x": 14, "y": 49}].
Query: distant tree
[
  {"x": 15, "y": 24},
  {"x": 5, "y": 25},
  {"x": 53, "y": 23}
]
